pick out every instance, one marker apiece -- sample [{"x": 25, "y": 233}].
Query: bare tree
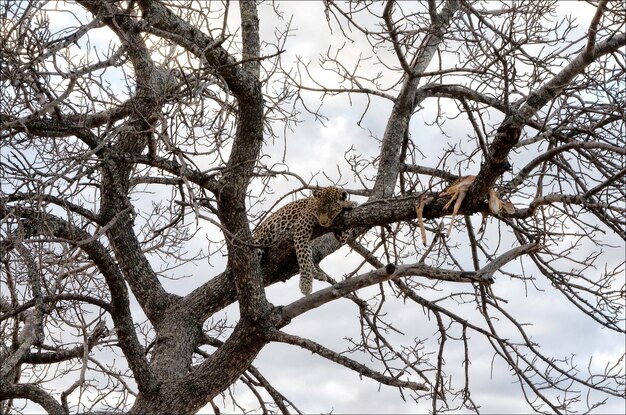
[{"x": 106, "y": 185}]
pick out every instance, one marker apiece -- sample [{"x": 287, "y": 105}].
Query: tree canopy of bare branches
[{"x": 143, "y": 140}]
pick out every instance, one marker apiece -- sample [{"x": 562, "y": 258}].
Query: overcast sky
[{"x": 316, "y": 385}]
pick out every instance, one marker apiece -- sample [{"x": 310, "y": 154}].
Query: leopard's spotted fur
[{"x": 297, "y": 220}]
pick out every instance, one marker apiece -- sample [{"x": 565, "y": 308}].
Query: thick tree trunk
[{"x": 190, "y": 393}]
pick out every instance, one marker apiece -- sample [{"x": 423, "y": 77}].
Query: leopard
[{"x": 297, "y": 221}]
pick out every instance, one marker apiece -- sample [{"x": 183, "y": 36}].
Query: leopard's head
[{"x": 330, "y": 202}]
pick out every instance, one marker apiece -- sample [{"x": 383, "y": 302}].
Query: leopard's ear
[
  {"x": 316, "y": 193},
  {"x": 344, "y": 195}
]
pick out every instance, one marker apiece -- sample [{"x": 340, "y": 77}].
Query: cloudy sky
[{"x": 316, "y": 385}]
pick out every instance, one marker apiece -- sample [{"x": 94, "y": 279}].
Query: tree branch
[
  {"x": 339, "y": 290},
  {"x": 407, "y": 99},
  {"x": 32, "y": 393},
  {"x": 508, "y": 133},
  {"x": 361, "y": 369},
  {"x": 45, "y": 224}
]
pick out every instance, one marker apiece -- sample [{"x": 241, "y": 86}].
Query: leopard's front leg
[{"x": 302, "y": 245}]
